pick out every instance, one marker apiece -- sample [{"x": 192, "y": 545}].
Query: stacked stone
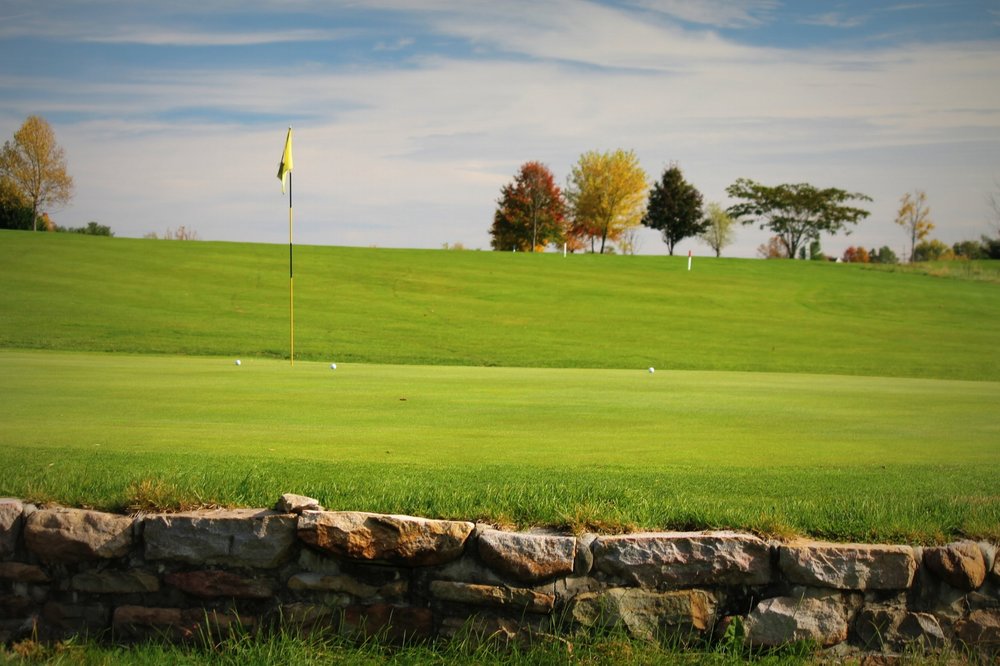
[{"x": 71, "y": 571}]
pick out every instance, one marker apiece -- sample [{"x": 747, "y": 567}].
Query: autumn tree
[
  {"x": 915, "y": 217},
  {"x": 674, "y": 208},
  {"x": 718, "y": 231},
  {"x": 531, "y": 212},
  {"x": 795, "y": 213},
  {"x": 15, "y": 212},
  {"x": 856, "y": 255},
  {"x": 774, "y": 248},
  {"x": 35, "y": 166},
  {"x": 606, "y": 195}
]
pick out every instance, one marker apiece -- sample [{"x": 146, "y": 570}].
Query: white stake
[
  {"x": 564, "y": 250},
  {"x": 689, "y": 259}
]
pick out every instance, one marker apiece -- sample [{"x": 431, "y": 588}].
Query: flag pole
[
  {"x": 285, "y": 169},
  {"x": 291, "y": 278}
]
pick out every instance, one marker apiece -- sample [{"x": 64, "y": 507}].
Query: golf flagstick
[{"x": 285, "y": 169}]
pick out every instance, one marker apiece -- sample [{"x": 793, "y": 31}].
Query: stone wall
[{"x": 69, "y": 571}]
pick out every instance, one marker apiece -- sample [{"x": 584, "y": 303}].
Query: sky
[{"x": 409, "y": 116}]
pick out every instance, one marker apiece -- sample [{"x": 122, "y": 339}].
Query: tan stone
[
  {"x": 981, "y": 630},
  {"x": 116, "y": 582},
  {"x": 685, "y": 559},
  {"x": 645, "y": 613},
  {"x": 493, "y": 595},
  {"x": 11, "y": 521},
  {"x": 291, "y": 503},
  {"x": 527, "y": 558},
  {"x": 404, "y": 540},
  {"x": 961, "y": 564},
  {"x": 70, "y": 535},
  {"x": 211, "y": 583},
  {"x": 782, "y": 620},
  {"x": 332, "y": 583},
  {"x": 253, "y": 538},
  {"x": 849, "y": 566},
  {"x": 23, "y": 573}
]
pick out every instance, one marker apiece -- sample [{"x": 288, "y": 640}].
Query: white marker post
[
  {"x": 689, "y": 259},
  {"x": 564, "y": 250}
]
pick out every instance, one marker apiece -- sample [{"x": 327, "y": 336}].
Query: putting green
[{"x": 858, "y": 457}]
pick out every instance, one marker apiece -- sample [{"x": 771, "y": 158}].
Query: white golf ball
[
  {"x": 238, "y": 362},
  {"x": 652, "y": 370},
  {"x": 333, "y": 366}
]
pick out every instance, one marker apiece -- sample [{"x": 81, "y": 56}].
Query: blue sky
[{"x": 410, "y": 116}]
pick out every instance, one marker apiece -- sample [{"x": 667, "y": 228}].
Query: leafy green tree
[
  {"x": 795, "y": 213},
  {"x": 531, "y": 212},
  {"x": 883, "y": 255},
  {"x": 35, "y": 166},
  {"x": 915, "y": 217},
  {"x": 606, "y": 195},
  {"x": 718, "y": 231},
  {"x": 674, "y": 208}
]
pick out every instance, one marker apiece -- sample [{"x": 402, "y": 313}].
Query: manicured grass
[
  {"x": 66, "y": 291},
  {"x": 840, "y": 457}
]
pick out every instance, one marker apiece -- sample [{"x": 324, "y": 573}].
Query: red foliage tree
[{"x": 531, "y": 212}]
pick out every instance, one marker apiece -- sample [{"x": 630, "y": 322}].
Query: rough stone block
[
  {"x": 685, "y": 559},
  {"x": 397, "y": 623},
  {"x": 520, "y": 599},
  {"x": 404, "y": 540},
  {"x": 981, "y": 630},
  {"x": 645, "y": 613},
  {"x": 72, "y": 535},
  {"x": 77, "y": 618},
  {"x": 234, "y": 537},
  {"x": 849, "y": 566},
  {"x": 210, "y": 584},
  {"x": 116, "y": 582},
  {"x": 880, "y": 627},
  {"x": 184, "y": 624},
  {"x": 332, "y": 583},
  {"x": 527, "y": 558},
  {"x": 13, "y": 606},
  {"x": 961, "y": 564},
  {"x": 306, "y": 615},
  {"x": 11, "y": 521},
  {"x": 782, "y": 620},
  {"x": 291, "y": 503},
  {"x": 23, "y": 573}
]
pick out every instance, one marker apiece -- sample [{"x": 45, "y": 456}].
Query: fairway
[{"x": 864, "y": 458}]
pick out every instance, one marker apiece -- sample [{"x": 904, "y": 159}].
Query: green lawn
[
  {"x": 857, "y": 458},
  {"x": 842, "y": 401}
]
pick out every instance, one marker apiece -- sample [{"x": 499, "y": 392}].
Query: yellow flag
[{"x": 285, "y": 166}]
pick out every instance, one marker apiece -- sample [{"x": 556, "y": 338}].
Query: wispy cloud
[
  {"x": 411, "y": 146},
  {"x": 834, "y": 20}
]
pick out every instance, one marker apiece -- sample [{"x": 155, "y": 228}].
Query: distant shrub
[
  {"x": 92, "y": 229},
  {"x": 856, "y": 255},
  {"x": 883, "y": 255},
  {"x": 991, "y": 247},
  {"x": 932, "y": 250}
]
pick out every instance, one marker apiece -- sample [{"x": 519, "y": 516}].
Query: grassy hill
[{"x": 492, "y": 309}]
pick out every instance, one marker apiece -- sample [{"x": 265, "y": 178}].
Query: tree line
[{"x": 607, "y": 197}]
